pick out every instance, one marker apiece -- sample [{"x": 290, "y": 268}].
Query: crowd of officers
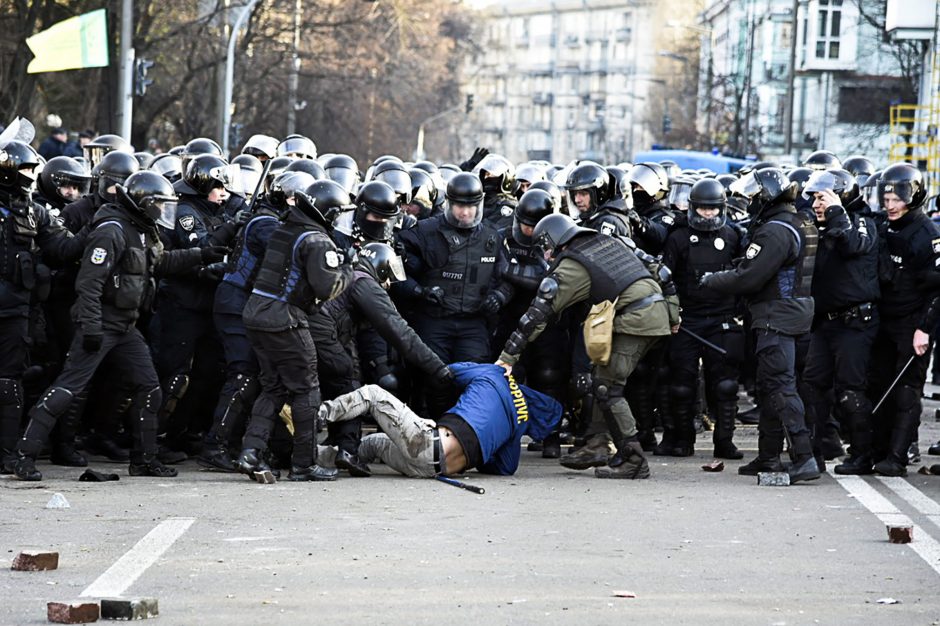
[{"x": 155, "y": 307}]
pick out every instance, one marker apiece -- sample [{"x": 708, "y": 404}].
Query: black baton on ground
[
  {"x": 457, "y": 483},
  {"x": 891, "y": 388},
  {"x": 703, "y": 341}
]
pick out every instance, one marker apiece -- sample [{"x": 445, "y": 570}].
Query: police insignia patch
[
  {"x": 332, "y": 259},
  {"x": 719, "y": 243},
  {"x": 693, "y": 238},
  {"x": 668, "y": 221},
  {"x": 752, "y": 251},
  {"x": 98, "y": 255},
  {"x": 506, "y": 211},
  {"x": 936, "y": 245},
  {"x": 187, "y": 222},
  {"x": 607, "y": 229}
]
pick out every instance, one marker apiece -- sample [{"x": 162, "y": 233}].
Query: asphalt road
[{"x": 547, "y": 546}]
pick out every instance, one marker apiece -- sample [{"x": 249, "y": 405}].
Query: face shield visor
[
  {"x": 679, "y": 196},
  {"x": 162, "y": 209},
  {"x": 747, "y": 186},
  {"x": 819, "y": 180},
  {"x": 463, "y": 214},
  {"x": 230, "y": 177},
  {"x": 345, "y": 177}
]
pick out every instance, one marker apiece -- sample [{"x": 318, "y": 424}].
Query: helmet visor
[
  {"x": 463, "y": 214},
  {"x": 902, "y": 189},
  {"x": 230, "y": 177},
  {"x": 344, "y": 176},
  {"x": 397, "y": 268},
  {"x": 645, "y": 178},
  {"x": 162, "y": 209},
  {"x": 746, "y": 187},
  {"x": 679, "y": 196},
  {"x": 820, "y": 180}
]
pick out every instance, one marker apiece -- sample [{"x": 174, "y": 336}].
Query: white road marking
[
  {"x": 924, "y": 545},
  {"x": 135, "y": 561},
  {"x": 914, "y": 496}
]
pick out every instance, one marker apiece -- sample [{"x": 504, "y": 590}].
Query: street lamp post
[{"x": 230, "y": 73}]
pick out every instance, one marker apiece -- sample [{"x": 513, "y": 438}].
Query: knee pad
[
  {"x": 681, "y": 392},
  {"x": 152, "y": 399},
  {"x": 11, "y": 392},
  {"x": 852, "y": 401},
  {"x": 606, "y": 395},
  {"x": 56, "y": 401},
  {"x": 726, "y": 389},
  {"x": 177, "y": 386},
  {"x": 247, "y": 386}
]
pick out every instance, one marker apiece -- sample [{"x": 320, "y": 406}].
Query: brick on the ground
[
  {"x": 78, "y": 612},
  {"x": 35, "y": 561},
  {"x": 129, "y": 608},
  {"x": 773, "y": 479},
  {"x": 900, "y": 534}
]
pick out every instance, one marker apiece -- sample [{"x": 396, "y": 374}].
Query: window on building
[
  {"x": 870, "y": 103},
  {"x": 829, "y": 29}
]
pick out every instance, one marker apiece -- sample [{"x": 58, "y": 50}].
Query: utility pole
[
  {"x": 791, "y": 77},
  {"x": 220, "y": 76},
  {"x": 230, "y": 74},
  {"x": 294, "y": 78},
  {"x": 125, "y": 97}
]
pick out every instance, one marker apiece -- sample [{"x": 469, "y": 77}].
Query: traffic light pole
[
  {"x": 125, "y": 96},
  {"x": 419, "y": 148},
  {"x": 226, "y": 125}
]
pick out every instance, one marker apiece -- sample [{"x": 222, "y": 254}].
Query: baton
[
  {"x": 888, "y": 392},
  {"x": 462, "y": 485},
  {"x": 703, "y": 341},
  {"x": 254, "y": 196}
]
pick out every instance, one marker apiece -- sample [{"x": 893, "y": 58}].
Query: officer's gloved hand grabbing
[
  {"x": 444, "y": 376},
  {"x": 212, "y": 272},
  {"x": 242, "y": 217},
  {"x": 493, "y": 303},
  {"x": 351, "y": 256},
  {"x": 91, "y": 342},
  {"x": 213, "y": 254},
  {"x": 434, "y": 295}
]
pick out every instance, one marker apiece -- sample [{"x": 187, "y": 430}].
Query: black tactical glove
[
  {"x": 493, "y": 303},
  {"x": 92, "y": 342},
  {"x": 444, "y": 376},
  {"x": 434, "y": 295},
  {"x": 213, "y": 254},
  {"x": 242, "y": 217},
  {"x": 388, "y": 382},
  {"x": 213, "y": 272},
  {"x": 475, "y": 158}
]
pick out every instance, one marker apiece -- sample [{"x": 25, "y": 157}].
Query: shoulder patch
[
  {"x": 667, "y": 219},
  {"x": 331, "y": 259},
  {"x": 719, "y": 243},
  {"x": 98, "y": 256},
  {"x": 608, "y": 229},
  {"x": 752, "y": 251},
  {"x": 506, "y": 211},
  {"x": 936, "y": 245},
  {"x": 187, "y": 222}
]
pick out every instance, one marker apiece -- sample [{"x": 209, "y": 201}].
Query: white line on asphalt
[
  {"x": 914, "y": 496},
  {"x": 135, "y": 561},
  {"x": 924, "y": 545}
]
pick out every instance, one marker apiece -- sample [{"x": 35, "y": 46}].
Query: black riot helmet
[
  {"x": 552, "y": 189},
  {"x": 858, "y": 165},
  {"x": 18, "y": 164},
  {"x": 386, "y": 264},
  {"x": 869, "y": 192},
  {"x": 707, "y": 193},
  {"x": 322, "y": 201},
  {"x": 846, "y": 186},
  {"x": 285, "y": 185},
  {"x": 308, "y": 166},
  {"x": 277, "y": 165},
  {"x": 343, "y": 169},
  {"x": 464, "y": 189},
  {"x": 905, "y": 181},
  {"x": 394, "y": 174},
  {"x": 207, "y": 172},
  {"x": 297, "y": 146},
  {"x": 763, "y": 188},
  {"x": 101, "y": 145},
  {"x": 62, "y": 171},
  {"x": 800, "y": 176},
  {"x": 726, "y": 180},
  {"x": 617, "y": 175},
  {"x": 377, "y": 210},
  {"x": 201, "y": 145},
  {"x": 556, "y": 230},
  {"x": 497, "y": 173},
  {"x": 113, "y": 169},
  {"x": 150, "y": 196},
  {"x": 167, "y": 165},
  {"x": 263, "y": 147},
  {"x": 424, "y": 193},
  {"x": 526, "y": 174},
  {"x": 144, "y": 159},
  {"x": 532, "y": 207},
  {"x": 592, "y": 178},
  {"x": 822, "y": 160}
]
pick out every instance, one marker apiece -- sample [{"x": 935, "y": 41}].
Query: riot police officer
[
  {"x": 498, "y": 176},
  {"x": 703, "y": 243},
  {"x": 453, "y": 262},
  {"x": 301, "y": 270},
  {"x": 26, "y": 232},
  {"x": 114, "y": 284},
  {"x": 594, "y": 201},
  {"x": 776, "y": 275},
  {"x": 597, "y": 268},
  {"x": 648, "y": 186},
  {"x": 909, "y": 310},
  {"x": 61, "y": 181},
  {"x": 845, "y": 291},
  {"x": 374, "y": 218}
]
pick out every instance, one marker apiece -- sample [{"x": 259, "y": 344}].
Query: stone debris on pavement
[
  {"x": 715, "y": 465},
  {"x": 129, "y": 608},
  {"x": 78, "y": 612},
  {"x": 35, "y": 561},
  {"x": 58, "y": 501},
  {"x": 887, "y": 601},
  {"x": 773, "y": 479},
  {"x": 903, "y": 533},
  {"x": 624, "y": 594}
]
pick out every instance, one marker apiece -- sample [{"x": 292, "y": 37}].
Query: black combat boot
[{"x": 24, "y": 468}]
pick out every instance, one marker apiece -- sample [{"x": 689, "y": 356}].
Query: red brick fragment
[
  {"x": 78, "y": 612},
  {"x": 901, "y": 534},
  {"x": 35, "y": 561}
]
